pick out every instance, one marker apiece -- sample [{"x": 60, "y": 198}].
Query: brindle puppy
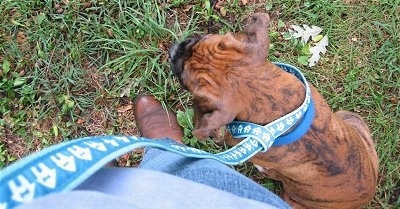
[{"x": 334, "y": 165}]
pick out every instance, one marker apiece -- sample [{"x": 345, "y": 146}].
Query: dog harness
[{"x": 64, "y": 166}]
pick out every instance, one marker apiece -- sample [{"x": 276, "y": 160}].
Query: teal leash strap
[
  {"x": 274, "y": 133},
  {"x": 64, "y": 166}
]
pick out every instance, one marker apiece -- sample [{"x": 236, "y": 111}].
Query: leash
[
  {"x": 273, "y": 134},
  {"x": 64, "y": 166}
]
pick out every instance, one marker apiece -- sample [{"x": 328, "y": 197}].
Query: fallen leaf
[
  {"x": 87, "y": 5},
  {"x": 306, "y": 33},
  {"x": 80, "y": 121},
  {"x": 320, "y": 47},
  {"x": 219, "y": 4},
  {"x": 162, "y": 46},
  {"x": 21, "y": 37},
  {"x": 110, "y": 32},
  {"x": 124, "y": 108},
  {"x": 58, "y": 8},
  {"x": 187, "y": 7},
  {"x": 245, "y": 2},
  {"x": 222, "y": 11}
]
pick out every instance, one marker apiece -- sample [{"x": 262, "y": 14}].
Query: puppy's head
[{"x": 209, "y": 67}]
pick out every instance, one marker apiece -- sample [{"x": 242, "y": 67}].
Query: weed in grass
[
  {"x": 185, "y": 120},
  {"x": 5, "y": 157}
]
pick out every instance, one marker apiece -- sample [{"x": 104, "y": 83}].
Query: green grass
[{"x": 66, "y": 68}]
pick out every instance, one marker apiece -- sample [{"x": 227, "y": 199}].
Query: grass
[{"x": 70, "y": 68}]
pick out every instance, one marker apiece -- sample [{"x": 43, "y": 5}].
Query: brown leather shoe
[{"x": 154, "y": 121}]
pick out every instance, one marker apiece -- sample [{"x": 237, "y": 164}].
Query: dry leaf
[
  {"x": 21, "y": 37},
  {"x": 222, "y": 11},
  {"x": 315, "y": 51},
  {"x": 306, "y": 33},
  {"x": 87, "y": 5},
  {"x": 80, "y": 121},
  {"x": 110, "y": 32},
  {"x": 219, "y": 4},
  {"x": 124, "y": 108},
  {"x": 162, "y": 46},
  {"x": 187, "y": 7}
]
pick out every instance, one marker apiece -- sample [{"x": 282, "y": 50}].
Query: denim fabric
[{"x": 208, "y": 172}]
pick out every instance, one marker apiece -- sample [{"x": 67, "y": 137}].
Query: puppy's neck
[{"x": 270, "y": 93}]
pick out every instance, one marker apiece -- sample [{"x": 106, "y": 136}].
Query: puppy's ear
[
  {"x": 208, "y": 122},
  {"x": 257, "y": 31},
  {"x": 253, "y": 40},
  {"x": 210, "y": 113}
]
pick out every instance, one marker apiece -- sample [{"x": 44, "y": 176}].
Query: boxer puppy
[{"x": 334, "y": 165}]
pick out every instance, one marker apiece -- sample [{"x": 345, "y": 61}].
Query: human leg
[{"x": 151, "y": 118}]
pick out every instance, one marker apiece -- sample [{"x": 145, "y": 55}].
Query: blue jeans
[{"x": 208, "y": 172}]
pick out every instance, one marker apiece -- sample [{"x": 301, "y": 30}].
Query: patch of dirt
[
  {"x": 95, "y": 79},
  {"x": 43, "y": 127},
  {"x": 16, "y": 146},
  {"x": 126, "y": 119},
  {"x": 21, "y": 37},
  {"x": 24, "y": 46},
  {"x": 95, "y": 122},
  {"x": 127, "y": 126},
  {"x": 19, "y": 147}
]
